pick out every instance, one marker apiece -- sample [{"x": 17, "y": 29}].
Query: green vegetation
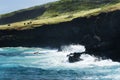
[
  {"x": 73, "y": 6},
  {"x": 59, "y": 11}
]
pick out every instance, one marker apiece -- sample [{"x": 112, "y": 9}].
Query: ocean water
[{"x": 19, "y": 63}]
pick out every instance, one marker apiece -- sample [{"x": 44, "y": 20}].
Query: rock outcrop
[{"x": 100, "y": 34}]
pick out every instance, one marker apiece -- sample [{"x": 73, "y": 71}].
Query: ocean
[{"x": 20, "y": 63}]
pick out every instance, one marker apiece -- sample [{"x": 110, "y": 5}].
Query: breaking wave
[{"x": 90, "y": 68}]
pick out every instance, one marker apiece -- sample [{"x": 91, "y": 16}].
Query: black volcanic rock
[{"x": 100, "y": 34}]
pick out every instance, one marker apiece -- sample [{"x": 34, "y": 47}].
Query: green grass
[
  {"x": 62, "y": 11},
  {"x": 72, "y": 6},
  {"x": 64, "y": 6}
]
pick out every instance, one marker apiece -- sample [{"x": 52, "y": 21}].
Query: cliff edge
[{"x": 100, "y": 33}]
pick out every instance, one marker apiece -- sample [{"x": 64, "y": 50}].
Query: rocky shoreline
[{"x": 100, "y": 34}]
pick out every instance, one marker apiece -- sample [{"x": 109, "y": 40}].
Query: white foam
[
  {"x": 58, "y": 61},
  {"x": 113, "y": 77},
  {"x": 54, "y": 59},
  {"x": 73, "y": 48}
]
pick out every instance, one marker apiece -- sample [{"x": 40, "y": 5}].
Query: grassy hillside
[
  {"x": 56, "y": 12},
  {"x": 73, "y": 6}
]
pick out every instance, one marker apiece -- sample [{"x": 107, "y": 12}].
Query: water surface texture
[{"x": 19, "y": 63}]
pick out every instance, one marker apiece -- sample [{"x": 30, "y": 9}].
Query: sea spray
[
  {"x": 73, "y": 48},
  {"x": 52, "y": 64}
]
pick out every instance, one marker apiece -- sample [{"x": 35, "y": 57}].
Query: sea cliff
[{"x": 100, "y": 34}]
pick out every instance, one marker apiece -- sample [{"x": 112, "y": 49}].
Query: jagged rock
[{"x": 74, "y": 57}]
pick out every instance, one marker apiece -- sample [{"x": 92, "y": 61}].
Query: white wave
[
  {"x": 45, "y": 51},
  {"x": 73, "y": 48},
  {"x": 54, "y": 59},
  {"x": 113, "y": 77},
  {"x": 92, "y": 60},
  {"x": 59, "y": 61}
]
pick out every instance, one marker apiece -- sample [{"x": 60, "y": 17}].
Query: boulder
[{"x": 74, "y": 57}]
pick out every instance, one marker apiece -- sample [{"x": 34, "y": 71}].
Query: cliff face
[{"x": 100, "y": 34}]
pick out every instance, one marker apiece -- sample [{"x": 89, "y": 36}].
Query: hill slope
[{"x": 55, "y": 12}]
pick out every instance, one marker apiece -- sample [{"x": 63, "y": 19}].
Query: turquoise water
[{"x": 19, "y": 63}]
